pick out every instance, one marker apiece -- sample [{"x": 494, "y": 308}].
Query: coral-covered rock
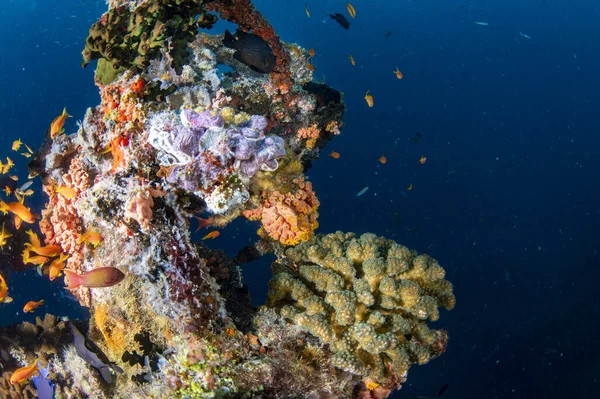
[{"x": 367, "y": 298}]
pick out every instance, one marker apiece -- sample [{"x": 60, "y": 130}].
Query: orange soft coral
[
  {"x": 61, "y": 224},
  {"x": 289, "y": 218},
  {"x": 311, "y": 132}
]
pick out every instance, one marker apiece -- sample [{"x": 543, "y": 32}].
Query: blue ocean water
[{"x": 508, "y": 200}]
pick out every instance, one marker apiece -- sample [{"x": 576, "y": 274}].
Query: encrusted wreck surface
[{"x": 176, "y": 136}]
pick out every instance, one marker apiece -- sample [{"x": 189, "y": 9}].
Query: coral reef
[
  {"x": 366, "y": 297},
  {"x": 173, "y": 137},
  {"x": 128, "y": 39}
]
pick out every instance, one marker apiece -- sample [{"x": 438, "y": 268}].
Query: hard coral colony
[{"x": 174, "y": 137}]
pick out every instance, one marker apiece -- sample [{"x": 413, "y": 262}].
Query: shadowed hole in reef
[{"x": 149, "y": 351}]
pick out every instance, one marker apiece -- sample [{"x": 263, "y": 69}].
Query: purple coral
[
  {"x": 200, "y": 120},
  {"x": 252, "y": 150}
]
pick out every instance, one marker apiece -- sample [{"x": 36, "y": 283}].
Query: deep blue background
[{"x": 508, "y": 200}]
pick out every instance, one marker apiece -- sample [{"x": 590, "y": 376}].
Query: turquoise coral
[{"x": 366, "y": 297}]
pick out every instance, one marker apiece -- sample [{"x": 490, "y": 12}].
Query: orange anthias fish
[
  {"x": 310, "y": 67},
  {"x": 334, "y": 155},
  {"x": 48, "y": 250},
  {"x": 90, "y": 237},
  {"x": 422, "y": 160},
  {"x": 67, "y": 192},
  {"x": 17, "y": 209},
  {"x": 4, "y": 236},
  {"x": 56, "y": 127},
  {"x": 296, "y": 51},
  {"x": 351, "y": 10},
  {"x": 56, "y": 267},
  {"x": 202, "y": 223},
  {"x": 369, "y": 99},
  {"x": 212, "y": 235},
  {"x": 382, "y": 159},
  {"x": 16, "y": 144},
  {"x": 38, "y": 260},
  {"x": 398, "y": 73},
  {"x": 311, "y": 52},
  {"x": 97, "y": 278},
  {"x": 351, "y": 58},
  {"x": 32, "y": 305},
  {"x": 24, "y": 373},
  {"x": 4, "y": 298}
]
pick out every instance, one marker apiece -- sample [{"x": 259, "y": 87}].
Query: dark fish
[
  {"x": 340, "y": 19},
  {"x": 251, "y": 50},
  {"x": 388, "y": 34},
  {"x": 418, "y": 134}
]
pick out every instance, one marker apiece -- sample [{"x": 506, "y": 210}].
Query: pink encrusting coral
[
  {"x": 61, "y": 224},
  {"x": 289, "y": 218},
  {"x": 139, "y": 208}
]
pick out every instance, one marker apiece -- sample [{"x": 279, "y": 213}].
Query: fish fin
[
  {"x": 65, "y": 114},
  {"x": 229, "y": 40}
]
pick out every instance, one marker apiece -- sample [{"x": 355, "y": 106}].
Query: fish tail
[
  {"x": 41, "y": 301},
  {"x": 36, "y": 364},
  {"x": 65, "y": 114},
  {"x": 3, "y": 207}
]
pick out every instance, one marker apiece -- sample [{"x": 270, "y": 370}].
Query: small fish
[
  {"x": 340, "y": 19},
  {"x": 90, "y": 237},
  {"x": 16, "y": 144},
  {"x": 422, "y": 160},
  {"x": 410, "y": 187},
  {"x": 26, "y": 193},
  {"x": 202, "y": 223},
  {"x": 6, "y": 167},
  {"x": 251, "y": 50},
  {"x": 351, "y": 10},
  {"x": 212, "y": 235},
  {"x": 56, "y": 267},
  {"x": 33, "y": 238},
  {"x": 306, "y": 10},
  {"x": 369, "y": 99},
  {"x": 524, "y": 35},
  {"x": 25, "y": 186},
  {"x": 296, "y": 51},
  {"x": 14, "y": 177},
  {"x": 398, "y": 73},
  {"x": 311, "y": 52},
  {"x": 66, "y": 192},
  {"x": 361, "y": 192},
  {"x": 383, "y": 159},
  {"x": 17, "y": 209},
  {"x": 56, "y": 127},
  {"x": 23, "y": 373},
  {"x": 38, "y": 260},
  {"x": 28, "y": 148},
  {"x": 482, "y": 23},
  {"x": 26, "y": 154},
  {"x": 388, "y": 34},
  {"x": 4, "y": 236},
  {"x": 45, "y": 389},
  {"x": 48, "y": 250},
  {"x": 334, "y": 155},
  {"x": 4, "y": 298},
  {"x": 32, "y": 305},
  {"x": 310, "y": 67},
  {"x": 351, "y": 58},
  {"x": 7, "y": 190},
  {"x": 96, "y": 278}
]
